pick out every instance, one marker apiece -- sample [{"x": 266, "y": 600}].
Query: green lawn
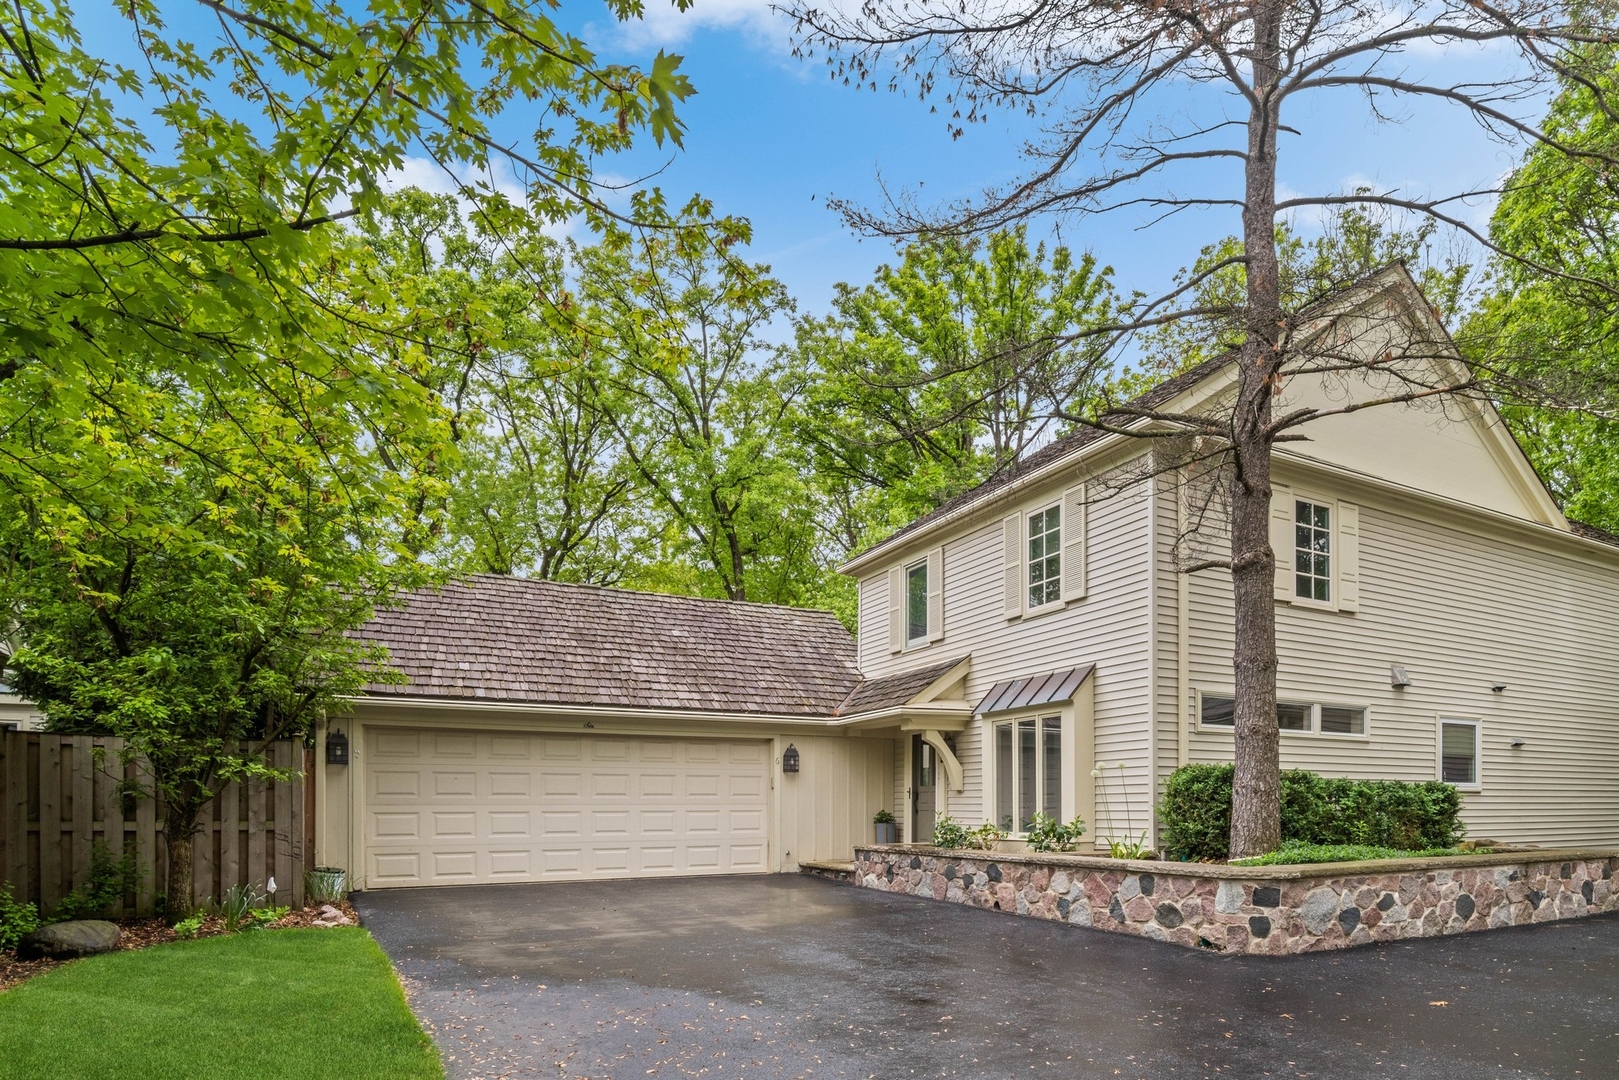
[{"x": 263, "y": 1005}]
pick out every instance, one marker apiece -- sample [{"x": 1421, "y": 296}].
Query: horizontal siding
[
  {"x": 1108, "y": 628},
  {"x": 1461, "y": 612}
]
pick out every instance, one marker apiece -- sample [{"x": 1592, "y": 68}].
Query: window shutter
[
  {"x": 1012, "y": 572},
  {"x": 936, "y": 594},
  {"x": 1073, "y": 548},
  {"x": 1281, "y": 538},
  {"x": 896, "y": 609},
  {"x": 1348, "y": 542}
]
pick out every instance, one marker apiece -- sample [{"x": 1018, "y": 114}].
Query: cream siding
[
  {"x": 1463, "y": 606},
  {"x": 1108, "y": 628}
]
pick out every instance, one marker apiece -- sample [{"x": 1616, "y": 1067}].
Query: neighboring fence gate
[{"x": 58, "y": 795}]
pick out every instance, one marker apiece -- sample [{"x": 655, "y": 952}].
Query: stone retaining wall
[{"x": 1273, "y": 910}]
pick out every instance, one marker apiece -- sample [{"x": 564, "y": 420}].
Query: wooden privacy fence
[{"x": 59, "y": 796}]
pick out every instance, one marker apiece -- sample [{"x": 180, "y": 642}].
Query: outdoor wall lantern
[
  {"x": 789, "y": 759},
  {"x": 337, "y": 748}
]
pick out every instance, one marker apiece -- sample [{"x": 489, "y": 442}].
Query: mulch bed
[{"x": 144, "y": 933}]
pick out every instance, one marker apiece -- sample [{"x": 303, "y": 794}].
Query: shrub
[
  {"x": 1196, "y": 812},
  {"x": 17, "y": 918},
  {"x": 882, "y": 817},
  {"x": 1046, "y": 833},
  {"x": 103, "y": 889}
]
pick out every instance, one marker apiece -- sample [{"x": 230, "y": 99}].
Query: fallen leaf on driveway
[{"x": 1440, "y": 1004}]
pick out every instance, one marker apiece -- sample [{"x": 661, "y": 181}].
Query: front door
[{"x": 924, "y": 770}]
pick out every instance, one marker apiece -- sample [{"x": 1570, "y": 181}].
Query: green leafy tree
[
  {"x": 1548, "y": 326},
  {"x": 198, "y": 591},
  {"x": 948, "y": 366},
  {"x": 706, "y": 417}
]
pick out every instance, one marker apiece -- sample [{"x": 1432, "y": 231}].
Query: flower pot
[
  {"x": 325, "y": 884},
  {"x": 887, "y": 832}
]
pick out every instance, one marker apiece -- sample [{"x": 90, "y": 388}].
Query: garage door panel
[
  {"x": 455, "y": 826},
  {"x": 507, "y": 784},
  {"x": 509, "y": 825},
  {"x": 458, "y": 807},
  {"x": 456, "y": 746}
]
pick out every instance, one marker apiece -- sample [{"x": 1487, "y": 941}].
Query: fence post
[{"x": 15, "y": 807}]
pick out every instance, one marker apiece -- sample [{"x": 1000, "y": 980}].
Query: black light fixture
[
  {"x": 337, "y": 748},
  {"x": 789, "y": 759}
]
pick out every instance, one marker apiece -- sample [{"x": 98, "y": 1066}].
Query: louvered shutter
[
  {"x": 1281, "y": 538},
  {"x": 1348, "y": 542},
  {"x": 1012, "y": 571},
  {"x": 1073, "y": 543},
  {"x": 936, "y": 594},
  {"x": 896, "y": 609}
]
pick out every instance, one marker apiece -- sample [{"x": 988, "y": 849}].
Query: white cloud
[
  {"x": 430, "y": 176},
  {"x": 663, "y": 24}
]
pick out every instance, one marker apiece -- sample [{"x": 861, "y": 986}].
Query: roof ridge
[{"x": 621, "y": 591}]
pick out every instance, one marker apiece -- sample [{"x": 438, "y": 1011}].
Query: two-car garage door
[{"x": 455, "y": 807}]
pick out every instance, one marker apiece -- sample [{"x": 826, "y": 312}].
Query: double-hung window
[
  {"x": 1028, "y": 771},
  {"x": 916, "y": 603},
  {"x": 1218, "y": 711},
  {"x": 1045, "y": 556},
  {"x": 1312, "y": 550},
  {"x": 1459, "y": 752}
]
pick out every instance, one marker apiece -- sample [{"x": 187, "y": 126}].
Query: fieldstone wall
[{"x": 1258, "y": 910}]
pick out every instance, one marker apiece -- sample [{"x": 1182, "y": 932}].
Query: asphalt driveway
[{"x": 784, "y": 976}]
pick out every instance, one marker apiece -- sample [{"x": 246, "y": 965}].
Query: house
[{"x": 1030, "y": 645}]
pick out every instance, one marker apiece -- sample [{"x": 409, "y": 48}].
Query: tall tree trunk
[
  {"x": 180, "y": 834},
  {"x": 1256, "y": 787}
]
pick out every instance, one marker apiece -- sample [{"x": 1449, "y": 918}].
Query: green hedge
[{"x": 1196, "y": 812}]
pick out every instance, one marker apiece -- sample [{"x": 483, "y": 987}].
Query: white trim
[{"x": 1478, "y": 750}]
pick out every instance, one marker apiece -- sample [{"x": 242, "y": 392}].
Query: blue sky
[{"x": 770, "y": 137}]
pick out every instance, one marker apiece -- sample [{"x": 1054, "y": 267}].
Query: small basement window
[
  {"x": 1219, "y": 711},
  {"x": 1459, "y": 752}
]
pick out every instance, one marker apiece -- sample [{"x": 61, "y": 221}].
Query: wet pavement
[{"x": 787, "y": 976}]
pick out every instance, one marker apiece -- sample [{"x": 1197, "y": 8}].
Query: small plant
[
  {"x": 325, "y": 884},
  {"x": 109, "y": 879},
  {"x": 949, "y": 833},
  {"x": 882, "y": 817},
  {"x": 1046, "y": 833},
  {"x": 952, "y": 834},
  {"x": 17, "y": 919},
  {"x": 237, "y": 904},
  {"x": 1131, "y": 849},
  {"x": 985, "y": 837},
  {"x": 259, "y": 918},
  {"x": 188, "y": 926}
]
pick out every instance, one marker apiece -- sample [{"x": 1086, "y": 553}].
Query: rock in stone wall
[{"x": 1262, "y": 915}]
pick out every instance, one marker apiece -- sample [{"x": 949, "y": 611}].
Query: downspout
[
  {"x": 1152, "y": 656},
  {"x": 1183, "y": 645}
]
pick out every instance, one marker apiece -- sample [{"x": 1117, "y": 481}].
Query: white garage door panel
[{"x": 447, "y": 808}]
